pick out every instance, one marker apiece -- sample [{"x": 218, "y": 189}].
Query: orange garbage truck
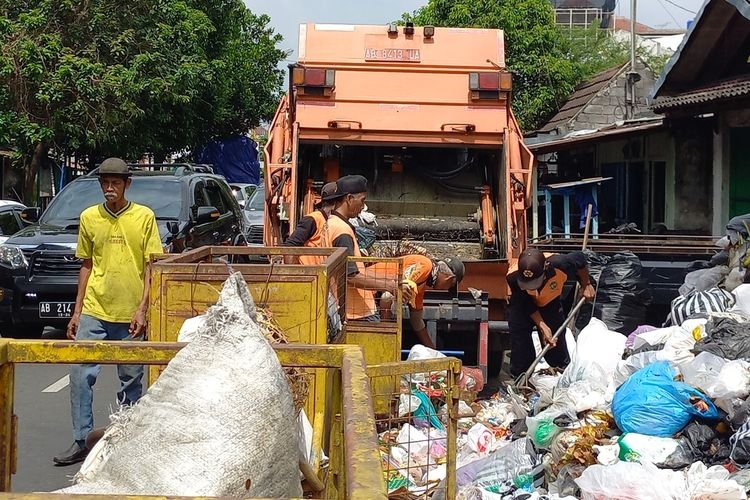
[{"x": 424, "y": 113}]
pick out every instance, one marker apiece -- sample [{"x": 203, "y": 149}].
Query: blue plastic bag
[{"x": 651, "y": 402}]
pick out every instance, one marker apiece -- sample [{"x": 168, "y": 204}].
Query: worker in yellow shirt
[{"x": 115, "y": 241}]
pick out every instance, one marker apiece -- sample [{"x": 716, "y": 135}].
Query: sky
[{"x": 286, "y": 15}]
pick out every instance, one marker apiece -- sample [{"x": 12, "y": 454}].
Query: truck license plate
[{"x": 56, "y": 309}]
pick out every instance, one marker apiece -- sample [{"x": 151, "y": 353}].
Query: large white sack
[
  {"x": 219, "y": 421},
  {"x": 598, "y": 350}
]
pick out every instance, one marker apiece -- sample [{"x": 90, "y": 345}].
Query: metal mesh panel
[{"x": 415, "y": 411}]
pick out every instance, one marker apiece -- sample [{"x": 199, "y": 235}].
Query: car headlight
[{"x": 12, "y": 257}]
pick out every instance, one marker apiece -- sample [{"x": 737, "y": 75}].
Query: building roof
[
  {"x": 580, "y": 98},
  {"x": 727, "y": 89},
  {"x": 587, "y": 137},
  {"x": 711, "y": 58},
  {"x": 623, "y": 24}
]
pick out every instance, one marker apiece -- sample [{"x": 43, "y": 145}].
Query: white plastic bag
[
  {"x": 627, "y": 367},
  {"x": 598, "y": 350},
  {"x": 712, "y": 483},
  {"x": 718, "y": 377},
  {"x": 634, "y": 447},
  {"x": 630, "y": 481}
]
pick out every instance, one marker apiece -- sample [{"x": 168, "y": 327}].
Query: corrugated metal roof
[
  {"x": 583, "y": 94},
  {"x": 721, "y": 90},
  {"x": 577, "y": 139}
]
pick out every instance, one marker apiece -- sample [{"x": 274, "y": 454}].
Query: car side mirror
[
  {"x": 173, "y": 227},
  {"x": 206, "y": 214},
  {"x": 31, "y": 215}
]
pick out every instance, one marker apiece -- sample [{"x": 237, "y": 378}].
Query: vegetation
[{"x": 105, "y": 77}]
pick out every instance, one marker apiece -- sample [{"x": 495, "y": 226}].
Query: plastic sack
[
  {"x": 543, "y": 428},
  {"x": 635, "y": 447},
  {"x": 705, "y": 302},
  {"x": 632, "y": 364},
  {"x": 740, "y": 445},
  {"x": 623, "y": 295},
  {"x": 598, "y": 351},
  {"x": 741, "y": 300},
  {"x": 717, "y": 377},
  {"x": 630, "y": 481},
  {"x": 635, "y": 333},
  {"x": 517, "y": 462},
  {"x": 712, "y": 483},
  {"x": 698, "y": 442},
  {"x": 726, "y": 338},
  {"x": 595, "y": 263},
  {"x": 651, "y": 402},
  {"x": 703, "y": 279}
]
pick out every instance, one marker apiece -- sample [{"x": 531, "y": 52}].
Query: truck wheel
[{"x": 21, "y": 331}]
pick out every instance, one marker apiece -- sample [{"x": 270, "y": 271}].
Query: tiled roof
[
  {"x": 580, "y": 98},
  {"x": 721, "y": 90}
]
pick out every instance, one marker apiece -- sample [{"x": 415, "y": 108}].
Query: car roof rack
[{"x": 178, "y": 169}]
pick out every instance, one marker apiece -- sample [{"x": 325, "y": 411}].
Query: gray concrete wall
[{"x": 609, "y": 105}]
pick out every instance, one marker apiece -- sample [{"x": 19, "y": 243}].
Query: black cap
[
  {"x": 113, "y": 166},
  {"x": 330, "y": 192},
  {"x": 456, "y": 266},
  {"x": 531, "y": 269},
  {"x": 351, "y": 184}
]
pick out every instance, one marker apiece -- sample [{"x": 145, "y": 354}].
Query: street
[{"x": 44, "y": 428}]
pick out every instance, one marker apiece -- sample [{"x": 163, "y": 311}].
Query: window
[
  {"x": 216, "y": 198},
  {"x": 200, "y": 197},
  {"x": 8, "y": 223}
]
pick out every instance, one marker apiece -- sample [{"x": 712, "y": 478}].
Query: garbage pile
[{"x": 662, "y": 413}]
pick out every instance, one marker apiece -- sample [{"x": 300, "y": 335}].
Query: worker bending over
[
  {"x": 535, "y": 300},
  {"x": 312, "y": 228},
  {"x": 424, "y": 273}
]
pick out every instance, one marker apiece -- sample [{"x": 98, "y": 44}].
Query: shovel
[{"x": 524, "y": 379}]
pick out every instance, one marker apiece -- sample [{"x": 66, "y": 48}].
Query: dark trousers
[{"x": 522, "y": 352}]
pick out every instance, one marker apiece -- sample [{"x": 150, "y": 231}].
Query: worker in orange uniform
[
  {"x": 311, "y": 229},
  {"x": 351, "y": 192},
  {"x": 535, "y": 300},
  {"x": 424, "y": 273}
]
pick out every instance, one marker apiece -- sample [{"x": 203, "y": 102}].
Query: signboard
[{"x": 392, "y": 55}]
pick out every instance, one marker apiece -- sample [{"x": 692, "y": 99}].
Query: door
[
  {"x": 621, "y": 199},
  {"x": 739, "y": 172}
]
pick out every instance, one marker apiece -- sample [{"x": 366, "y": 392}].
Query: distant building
[{"x": 583, "y": 13}]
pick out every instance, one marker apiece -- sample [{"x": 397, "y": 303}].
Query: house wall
[
  {"x": 693, "y": 177},
  {"x": 645, "y": 150},
  {"x": 609, "y": 105}
]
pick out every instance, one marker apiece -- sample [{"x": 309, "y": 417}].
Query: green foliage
[{"x": 107, "y": 77}]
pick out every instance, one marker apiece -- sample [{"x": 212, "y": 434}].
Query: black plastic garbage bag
[
  {"x": 698, "y": 442},
  {"x": 623, "y": 296},
  {"x": 596, "y": 263},
  {"x": 726, "y": 338},
  {"x": 740, "y": 444}
]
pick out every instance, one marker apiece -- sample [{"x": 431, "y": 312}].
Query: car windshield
[
  {"x": 257, "y": 200},
  {"x": 162, "y": 196}
]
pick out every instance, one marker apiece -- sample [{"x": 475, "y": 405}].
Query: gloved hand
[{"x": 409, "y": 291}]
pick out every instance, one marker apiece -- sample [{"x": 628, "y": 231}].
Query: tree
[
  {"x": 105, "y": 77},
  {"x": 547, "y": 62}
]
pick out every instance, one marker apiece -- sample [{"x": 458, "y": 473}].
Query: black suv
[{"x": 38, "y": 266}]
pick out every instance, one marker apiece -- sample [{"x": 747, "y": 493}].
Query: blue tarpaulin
[{"x": 236, "y": 158}]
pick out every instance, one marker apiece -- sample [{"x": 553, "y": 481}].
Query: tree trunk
[{"x": 38, "y": 158}]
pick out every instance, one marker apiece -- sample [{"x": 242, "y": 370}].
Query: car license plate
[{"x": 56, "y": 309}]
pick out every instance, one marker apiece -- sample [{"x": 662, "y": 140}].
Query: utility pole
[{"x": 633, "y": 76}]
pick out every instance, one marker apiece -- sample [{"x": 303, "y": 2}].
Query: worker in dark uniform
[
  {"x": 535, "y": 301},
  {"x": 311, "y": 229}
]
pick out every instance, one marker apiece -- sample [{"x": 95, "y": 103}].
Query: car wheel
[{"x": 21, "y": 331}]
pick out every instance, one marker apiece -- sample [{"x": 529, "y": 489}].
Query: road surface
[{"x": 42, "y": 403}]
